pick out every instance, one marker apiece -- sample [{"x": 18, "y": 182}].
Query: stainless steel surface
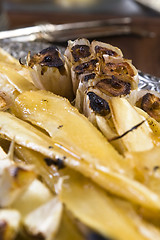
[
  {"x": 48, "y": 28},
  {"x": 63, "y": 32}
]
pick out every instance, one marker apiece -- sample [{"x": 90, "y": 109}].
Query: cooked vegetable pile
[{"x": 79, "y": 146}]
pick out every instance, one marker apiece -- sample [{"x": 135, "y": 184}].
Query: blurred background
[
  {"x": 142, "y": 48},
  {"x": 28, "y": 11}
]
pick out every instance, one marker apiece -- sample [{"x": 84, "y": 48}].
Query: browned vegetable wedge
[
  {"x": 20, "y": 83},
  {"x": 110, "y": 181},
  {"x": 114, "y": 86},
  {"x": 13, "y": 180},
  {"x": 125, "y": 118},
  {"x": 9, "y": 223},
  {"x": 96, "y": 209},
  {"x": 44, "y": 221},
  {"x": 68, "y": 229},
  {"x": 121, "y": 69},
  {"x": 115, "y": 182},
  {"x": 35, "y": 195},
  {"x": 28, "y": 136},
  {"x": 95, "y": 103},
  {"x": 118, "y": 184},
  {"x": 68, "y": 127},
  {"x": 147, "y": 167},
  {"x": 46, "y": 170},
  {"x": 146, "y": 227},
  {"x": 154, "y": 125}
]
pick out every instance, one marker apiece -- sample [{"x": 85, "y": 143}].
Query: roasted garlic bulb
[
  {"x": 99, "y": 65},
  {"x": 49, "y": 71},
  {"x": 99, "y": 72}
]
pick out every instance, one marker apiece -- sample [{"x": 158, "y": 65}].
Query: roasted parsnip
[
  {"x": 9, "y": 223},
  {"x": 96, "y": 209},
  {"x": 125, "y": 118},
  {"x": 44, "y": 221},
  {"x": 70, "y": 129}
]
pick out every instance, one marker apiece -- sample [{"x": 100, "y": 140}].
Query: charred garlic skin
[
  {"x": 80, "y": 52},
  {"x": 99, "y": 49},
  {"x": 89, "y": 77},
  {"x": 113, "y": 87},
  {"x": 77, "y": 56},
  {"x": 102, "y": 50},
  {"x": 49, "y": 71},
  {"x": 80, "y": 71},
  {"x": 77, "y": 51},
  {"x": 47, "y": 57},
  {"x": 150, "y": 104},
  {"x": 119, "y": 68},
  {"x": 95, "y": 103},
  {"x": 86, "y": 67},
  {"x": 98, "y": 104}
]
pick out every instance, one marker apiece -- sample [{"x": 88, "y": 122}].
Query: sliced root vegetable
[
  {"x": 106, "y": 126},
  {"x": 146, "y": 228},
  {"x": 91, "y": 205},
  {"x": 68, "y": 229},
  {"x": 26, "y": 135},
  {"x": 154, "y": 125},
  {"x": 116, "y": 182},
  {"x": 13, "y": 180},
  {"x": 9, "y": 224},
  {"x": 20, "y": 83},
  {"x": 127, "y": 120},
  {"x": 44, "y": 166},
  {"x": 68, "y": 127},
  {"x": 147, "y": 167},
  {"x": 2, "y": 154},
  {"x": 35, "y": 195},
  {"x": 7, "y": 89},
  {"x": 44, "y": 222}
]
